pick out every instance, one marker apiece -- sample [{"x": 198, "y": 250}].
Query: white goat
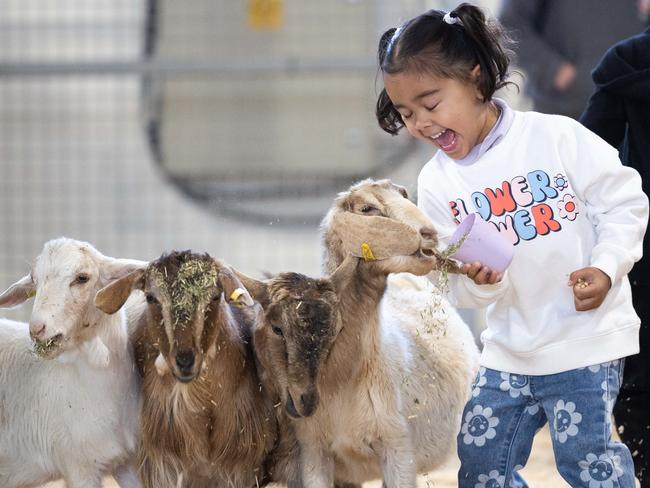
[{"x": 71, "y": 413}]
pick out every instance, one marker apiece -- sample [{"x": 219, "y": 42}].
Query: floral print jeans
[{"x": 506, "y": 410}]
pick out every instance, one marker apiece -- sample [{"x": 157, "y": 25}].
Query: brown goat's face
[
  {"x": 183, "y": 292},
  {"x": 294, "y": 339},
  {"x": 385, "y": 199},
  {"x": 376, "y": 221}
]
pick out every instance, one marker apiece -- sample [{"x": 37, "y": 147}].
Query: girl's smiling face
[{"x": 444, "y": 112}]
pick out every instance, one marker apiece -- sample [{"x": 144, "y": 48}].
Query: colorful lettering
[
  {"x": 508, "y": 201},
  {"x": 500, "y": 199},
  {"x": 482, "y": 205},
  {"x": 522, "y": 225},
  {"x": 507, "y": 228},
  {"x": 518, "y": 188},
  {"x": 540, "y": 186},
  {"x": 544, "y": 222}
]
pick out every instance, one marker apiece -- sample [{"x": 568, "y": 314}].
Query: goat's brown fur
[
  {"x": 372, "y": 422},
  {"x": 217, "y": 428}
]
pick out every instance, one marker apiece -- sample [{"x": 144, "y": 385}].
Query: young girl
[{"x": 577, "y": 217}]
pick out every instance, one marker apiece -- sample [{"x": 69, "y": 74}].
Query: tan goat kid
[
  {"x": 205, "y": 421},
  {"x": 371, "y": 393}
]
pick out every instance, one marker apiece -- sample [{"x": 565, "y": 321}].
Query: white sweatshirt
[{"x": 562, "y": 196}]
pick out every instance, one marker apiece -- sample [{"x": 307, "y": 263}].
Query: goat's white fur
[{"x": 73, "y": 416}]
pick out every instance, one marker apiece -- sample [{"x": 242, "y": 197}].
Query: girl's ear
[{"x": 475, "y": 75}]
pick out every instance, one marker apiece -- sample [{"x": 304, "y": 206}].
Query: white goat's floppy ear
[
  {"x": 257, "y": 289},
  {"x": 111, "y": 298},
  {"x": 342, "y": 275},
  {"x": 233, "y": 289},
  {"x": 18, "y": 293},
  {"x": 373, "y": 237},
  {"x": 112, "y": 269}
]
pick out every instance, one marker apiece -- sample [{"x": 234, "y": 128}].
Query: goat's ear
[
  {"x": 113, "y": 269},
  {"x": 402, "y": 190},
  {"x": 373, "y": 237},
  {"x": 344, "y": 273},
  {"x": 259, "y": 290},
  {"x": 233, "y": 289},
  {"x": 18, "y": 293},
  {"x": 111, "y": 298}
]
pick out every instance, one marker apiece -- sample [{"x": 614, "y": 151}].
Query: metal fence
[{"x": 218, "y": 125}]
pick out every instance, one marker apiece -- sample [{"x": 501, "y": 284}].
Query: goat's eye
[
  {"x": 368, "y": 209},
  {"x": 80, "y": 279},
  {"x": 277, "y": 330},
  {"x": 150, "y": 298}
]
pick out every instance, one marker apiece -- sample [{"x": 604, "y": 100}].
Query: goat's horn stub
[{"x": 373, "y": 237}]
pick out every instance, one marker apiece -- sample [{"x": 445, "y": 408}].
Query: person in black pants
[{"x": 619, "y": 112}]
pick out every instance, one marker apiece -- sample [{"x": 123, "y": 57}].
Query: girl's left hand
[{"x": 590, "y": 287}]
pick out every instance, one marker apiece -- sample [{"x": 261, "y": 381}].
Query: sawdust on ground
[{"x": 540, "y": 471}]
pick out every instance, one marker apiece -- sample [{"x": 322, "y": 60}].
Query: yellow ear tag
[
  {"x": 30, "y": 292},
  {"x": 235, "y": 295},
  {"x": 366, "y": 252}
]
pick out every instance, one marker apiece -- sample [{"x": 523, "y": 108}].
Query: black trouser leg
[{"x": 632, "y": 409}]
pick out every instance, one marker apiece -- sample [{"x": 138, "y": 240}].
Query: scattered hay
[
  {"x": 43, "y": 348},
  {"x": 194, "y": 283},
  {"x": 434, "y": 314}
]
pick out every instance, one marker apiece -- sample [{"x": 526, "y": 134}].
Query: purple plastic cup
[{"x": 483, "y": 243}]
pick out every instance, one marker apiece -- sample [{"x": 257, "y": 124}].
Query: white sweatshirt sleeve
[
  {"x": 616, "y": 204},
  {"x": 464, "y": 293}
]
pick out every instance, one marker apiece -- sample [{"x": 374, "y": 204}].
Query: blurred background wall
[{"x": 218, "y": 125}]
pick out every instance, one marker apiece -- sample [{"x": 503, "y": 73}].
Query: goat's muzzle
[
  {"x": 185, "y": 371},
  {"x": 308, "y": 403}
]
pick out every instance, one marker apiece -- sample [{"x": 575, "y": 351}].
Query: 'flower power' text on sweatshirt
[{"x": 560, "y": 194}]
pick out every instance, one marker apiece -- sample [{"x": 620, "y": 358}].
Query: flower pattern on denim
[
  {"x": 515, "y": 384},
  {"x": 565, "y": 420},
  {"x": 601, "y": 471},
  {"x": 479, "y": 426},
  {"x": 481, "y": 380},
  {"x": 532, "y": 408},
  {"x": 491, "y": 480},
  {"x": 561, "y": 182},
  {"x": 594, "y": 368},
  {"x": 609, "y": 402}
]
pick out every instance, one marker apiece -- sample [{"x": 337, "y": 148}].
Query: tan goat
[
  {"x": 371, "y": 394},
  {"x": 205, "y": 421}
]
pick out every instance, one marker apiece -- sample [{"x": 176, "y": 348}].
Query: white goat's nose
[{"x": 36, "y": 329}]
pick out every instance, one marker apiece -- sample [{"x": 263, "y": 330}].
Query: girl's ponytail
[{"x": 486, "y": 38}]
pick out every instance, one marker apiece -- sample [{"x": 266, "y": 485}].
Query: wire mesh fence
[{"x": 150, "y": 125}]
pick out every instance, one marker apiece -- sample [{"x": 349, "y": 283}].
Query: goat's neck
[
  {"x": 105, "y": 347},
  {"x": 358, "y": 342}
]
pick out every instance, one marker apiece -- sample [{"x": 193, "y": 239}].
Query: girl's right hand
[{"x": 481, "y": 275}]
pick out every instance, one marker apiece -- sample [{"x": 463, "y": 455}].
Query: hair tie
[
  {"x": 452, "y": 19},
  {"x": 392, "y": 40}
]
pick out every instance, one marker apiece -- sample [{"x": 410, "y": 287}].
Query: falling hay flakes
[{"x": 434, "y": 314}]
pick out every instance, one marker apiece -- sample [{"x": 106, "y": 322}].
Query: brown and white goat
[
  {"x": 204, "y": 421},
  {"x": 371, "y": 394}
]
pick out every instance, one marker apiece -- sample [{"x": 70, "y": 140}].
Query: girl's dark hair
[{"x": 428, "y": 44}]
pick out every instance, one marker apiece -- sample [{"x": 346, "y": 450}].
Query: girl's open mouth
[{"x": 446, "y": 140}]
